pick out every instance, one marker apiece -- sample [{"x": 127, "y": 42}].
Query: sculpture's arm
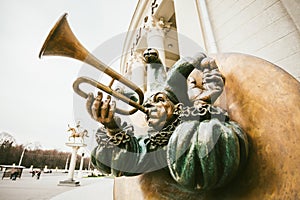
[
  {"x": 118, "y": 155},
  {"x": 118, "y": 150},
  {"x": 126, "y": 155}
]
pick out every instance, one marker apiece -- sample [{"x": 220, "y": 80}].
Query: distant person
[
  {"x": 14, "y": 174},
  {"x": 38, "y": 174}
]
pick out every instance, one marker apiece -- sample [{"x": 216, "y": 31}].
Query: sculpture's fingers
[
  {"x": 96, "y": 107},
  {"x": 205, "y": 63},
  {"x": 89, "y": 103},
  {"x": 213, "y": 64},
  {"x": 105, "y": 108},
  {"x": 112, "y": 110}
]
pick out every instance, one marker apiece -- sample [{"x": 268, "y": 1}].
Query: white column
[
  {"x": 190, "y": 37},
  {"x": 156, "y": 77},
  {"x": 156, "y": 36},
  {"x": 210, "y": 42},
  {"x": 81, "y": 166},
  {"x": 72, "y": 163},
  {"x": 138, "y": 71}
]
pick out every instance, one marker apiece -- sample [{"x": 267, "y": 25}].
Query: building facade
[{"x": 269, "y": 29}]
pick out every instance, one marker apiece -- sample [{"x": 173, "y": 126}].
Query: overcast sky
[{"x": 36, "y": 94}]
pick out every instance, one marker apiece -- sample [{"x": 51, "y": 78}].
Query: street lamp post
[
  {"x": 66, "y": 166},
  {"x": 22, "y": 155}
]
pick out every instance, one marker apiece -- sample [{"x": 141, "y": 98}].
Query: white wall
[{"x": 264, "y": 28}]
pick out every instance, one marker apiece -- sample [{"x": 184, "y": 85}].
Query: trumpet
[{"x": 61, "y": 41}]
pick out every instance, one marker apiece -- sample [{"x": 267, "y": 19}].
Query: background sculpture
[{"x": 77, "y": 133}]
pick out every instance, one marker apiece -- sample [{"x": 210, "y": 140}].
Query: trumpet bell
[{"x": 62, "y": 42}]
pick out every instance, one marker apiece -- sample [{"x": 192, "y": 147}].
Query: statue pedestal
[{"x": 70, "y": 181}]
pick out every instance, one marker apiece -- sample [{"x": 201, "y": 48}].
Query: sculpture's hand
[
  {"x": 206, "y": 83},
  {"x": 103, "y": 112},
  {"x": 208, "y": 63}
]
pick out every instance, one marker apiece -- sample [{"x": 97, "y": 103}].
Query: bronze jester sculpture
[{"x": 194, "y": 141}]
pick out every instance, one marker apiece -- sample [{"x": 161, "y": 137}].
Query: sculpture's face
[{"x": 160, "y": 111}]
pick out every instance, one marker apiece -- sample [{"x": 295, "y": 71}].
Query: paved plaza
[{"x": 46, "y": 188}]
